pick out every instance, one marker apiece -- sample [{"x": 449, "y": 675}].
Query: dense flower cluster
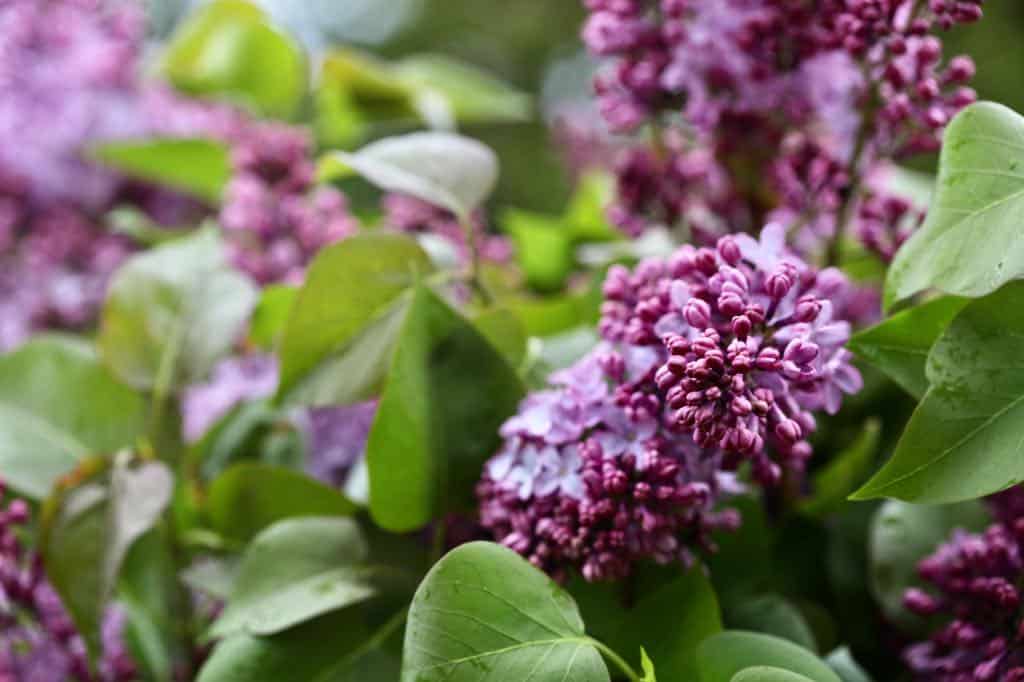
[
  {"x": 976, "y": 583},
  {"x": 38, "y": 641},
  {"x": 275, "y": 218},
  {"x": 711, "y": 358},
  {"x": 807, "y": 94}
]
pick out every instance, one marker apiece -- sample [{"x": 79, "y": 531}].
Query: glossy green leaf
[
  {"x": 447, "y": 391},
  {"x": 249, "y": 497},
  {"x": 484, "y": 611},
  {"x": 198, "y": 167},
  {"x": 503, "y": 329},
  {"x": 970, "y": 243},
  {"x": 336, "y": 647},
  {"x": 672, "y": 642},
  {"x": 229, "y": 49},
  {"x": 901, "y": 535},
  {"x": 899, "y": 346},
  {"x": 723, "y": 655},
  {"x": 841, "y": 661},
  {"x": 763, "y": 673},
  {"x": 964, "y": 439},
  {"x": 846, "y": 471},
  {"x": 173, "y": 312},
  {"x": 444, "y": 169},
  {"x": 348, "y": 286},
  {"x": 773, "y": 614},
  {"x": 58, "y": 404},
  {"x": 271, "y": 315},
  {"x": 294, "y": 571},
  {"x": 472, "y": 95}
]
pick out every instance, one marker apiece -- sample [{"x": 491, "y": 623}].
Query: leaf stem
[
  {"x": 475, "y": 281},
  {"x": 619, "y": 661}
]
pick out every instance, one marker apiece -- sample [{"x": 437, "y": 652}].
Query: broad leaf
[
  {"x": 970, "y": 244},
  {"x": 249, "y": 497},
  {"x": 229, "y": 49},
  {"x": 964, "y": 439},
  {"x": 841, "y": 661},
  {"x": 901, "y": 535},
  {"x": 763, "y": 673},
  {"x": 195, "y": 166},
  {"x": 544, "y": 248},
  {"x": 447, "y": 392},
  {"x": 722, "y": 656},
  {"x": 484, "y": 611},
  {"x": 173, "y": 312},
  {"x": 348, "y": 286},
  {"x": 672, "y": 642},
  {"x": 774, "y": 615},
  {"x": 444, "y": 169},
  {"x": 294, "y": 571},
  {"x": 336, "y": 647},
  {"x": 899, "y": 346},
  {"x": 271, "y": 315},
  {"x": 58, "y": 404},
  {"x": 503, "y": 329}
]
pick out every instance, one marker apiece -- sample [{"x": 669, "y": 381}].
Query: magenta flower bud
[
  {"x": 800, "y": 352},
  {"x": 788, "y": 431},
  {"x": 697, "y": 313}
]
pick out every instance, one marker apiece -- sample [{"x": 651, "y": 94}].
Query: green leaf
[
  {"x": 970, "y": 243},
  {"x": 503, "y": 329},
  {"x": 447, "y": 392},
  {"x": 472, "y": 95},
  {"x": 723, "y": 655},
  {"x": 230, "y": 50},
  {"x": 336, "y": 647},
  {"x": 88, "y": 532},
  {"x": 774, "y": 615},
  {"x": 544, "y": 248},
  {"x": 483, "y": 611},
  {"x": 150, "y": 596},
  {"x": 58, "y": 404},
  {"x": 844, "y": 473},
  {"x": 764, "y": 673},
  {"x": 648, "y": 667},
  {"x": 964, "y": 439},
  {"x": 899, "y": 346},
  {"x": 198, "y": 167},
  {"x": 672, "y": 642},
  {"x": 444, "y": 169},
  {"x": 249, "y": 497},
  {"x": 271, "y": 315},
  {"x": 348, "y": 286},
  {"x": 901, "y": 535},
  {"x": 294, "y": 571},
  {"x": 841, "y": 661},
  {"x": 586, "y": 213},
  {"x": 173, "y": 312}
]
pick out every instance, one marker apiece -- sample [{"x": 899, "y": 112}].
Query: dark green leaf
[
  {"x": 57, "y": 405},
  {"x": 195, "y": 166},
  {"x": 294, "y": 571},
  {"x": 444, "y": 169},
  {"x": 483, "y": 611},
  {"x": 348, "y": 286},
  {"x": 901, "y": 535},
  {"x": 173, "y": 312},
  {"x": 773, "y": 614},
  {"x": 844, "y": 473},
  {"x": 723, "y": 655},
  {"x": 447, "y": 392},
  {"x": 970, "y": 244},
  {"x": 249, "y": 497},
  {"x": 672, "y": 642},
  {"x": 899, "y": 346},
  {"x": 964, "y": 439},
  {"x": 763, "y": 673},
  {"x": 230, "y": 50}
]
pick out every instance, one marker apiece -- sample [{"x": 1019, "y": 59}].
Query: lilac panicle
[{"x": 38, "y": 640}]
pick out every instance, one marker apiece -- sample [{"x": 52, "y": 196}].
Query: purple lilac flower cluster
[
  {"x": 975, "y": 581},
  {"x": 415, "y": 216},
  {"x": 711, "y": 358},
  {"x": 807, "y": 94},
  {"x": 275, "y": 218},
  {"x": 38, "y": 641}
]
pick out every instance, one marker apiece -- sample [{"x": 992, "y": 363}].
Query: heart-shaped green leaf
[
  {"x": 484, "y": 611},
  {"x": 970, "y": 244},
  {"x": 763, "y": 673},
  {"x": 724, "y": 655}
]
